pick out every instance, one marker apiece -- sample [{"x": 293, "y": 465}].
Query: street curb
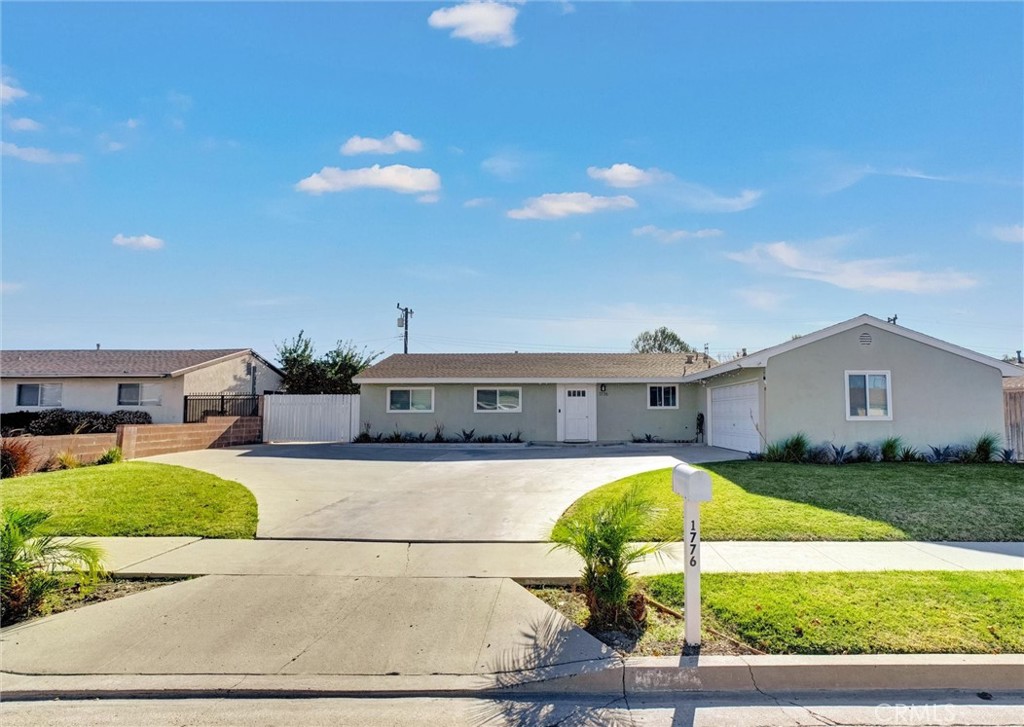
[{"x": 641, "y": 676}]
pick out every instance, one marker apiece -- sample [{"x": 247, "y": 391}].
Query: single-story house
[
  {"x": 860, "y": 380},
  {"x": 152, "y": 381}
]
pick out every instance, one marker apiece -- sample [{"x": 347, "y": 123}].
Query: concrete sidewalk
[{"x": 527, "y": 562}]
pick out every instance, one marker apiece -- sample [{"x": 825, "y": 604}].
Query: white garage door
[{"x": 734, "y": 414}]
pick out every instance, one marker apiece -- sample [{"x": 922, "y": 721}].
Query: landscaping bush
[
  {"x": 820, "y": 454},
  {"x": 111, "y": 456},
  {"x": 890, "y": 449},
  {"x": 65, "y": 421},
  {"x": 17, "y": 457},
  {"x": 793, "y": 449},
  {"x": 16, "y": 421},
  {"x": 985, "y": 447},
  {"x": 30, "y": 561},
  {"x": 67, "y": 460},
  {"x": 864, "y": 452}
]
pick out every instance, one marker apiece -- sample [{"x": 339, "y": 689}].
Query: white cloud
[
  {"x": 391, "y": 144},
  {"x": 132, "y": 124},
  {"x": 505, "y": 166},
  {"x": 478, "y": 202},
  {"x": 36, "y": 155},
  {"x": 180, "y": 101},
  {"x": 668, "y": 236},
  {"x": 7, "y": 287},
  {"x": 553, "y": 206},
  {"x": 23, "y": 124},
  {"x": 868, "y": 274},
  {"x": 10, "y": 91},
  {"x": 112, "y": 146},
  {"x": 626, "y": 175},
  {"x": 701, "y": 199},
  {"x": 479, "y": 22},
  {"x": 138, "y": 242},
  {"x": 761, "y": 299},
  {"x": 428, "y": 198},
  {"x": 397, "y": 178},
  {"x": 1009, "y": 233}
]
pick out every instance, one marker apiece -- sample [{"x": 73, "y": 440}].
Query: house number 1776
[{"x": 692, "y": 543}]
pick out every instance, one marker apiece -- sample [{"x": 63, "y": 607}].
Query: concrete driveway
[{"x": 425, "y": 493}]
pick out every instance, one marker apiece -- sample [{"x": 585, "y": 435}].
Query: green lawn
[
  {"x": 859, "y": 613},
  {"x": 772, "y": 501},
  {"x": 135, "y": 498}
]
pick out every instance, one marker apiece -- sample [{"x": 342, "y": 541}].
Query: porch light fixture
[{"x": 603, "y": 388}]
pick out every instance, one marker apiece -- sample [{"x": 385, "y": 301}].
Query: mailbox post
[{"x": 694, "y": 486}]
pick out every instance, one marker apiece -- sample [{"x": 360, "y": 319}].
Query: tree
[
  {"x": 661, "y": 340},
  {"x": 305, "y": 373}
]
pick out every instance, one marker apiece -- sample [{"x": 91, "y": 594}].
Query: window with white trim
[
  {"x": 40, "y": 394},
  {"x": 139, "y": 395},
  {"x": 662, "y": 396},
  {"x": 501, "y": 399},
  {"x": 413, "y": 399},
  {"x": 868, "y": 395}
]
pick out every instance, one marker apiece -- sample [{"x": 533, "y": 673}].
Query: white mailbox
[{"x": 694, "y": 486}]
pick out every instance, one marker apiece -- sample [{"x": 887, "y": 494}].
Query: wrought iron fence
[{"x": 200, "y": 406}]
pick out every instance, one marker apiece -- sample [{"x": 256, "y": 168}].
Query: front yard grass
[
  {"x": 135, "y": 498},
  {"x": 890, "y": 612},
  {"x": 774, "y": 501}
]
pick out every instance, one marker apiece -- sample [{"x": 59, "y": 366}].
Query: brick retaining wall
[
  {"x": 145, "y": 440},
  {"x": 87, "y": 447}
]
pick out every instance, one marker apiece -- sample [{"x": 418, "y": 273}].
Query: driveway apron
[{"x": 424, "y": 493}]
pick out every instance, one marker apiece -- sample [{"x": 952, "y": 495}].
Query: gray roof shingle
[
  {"x": 512, "y": 367},
  {"x": 88, "y": 363}
]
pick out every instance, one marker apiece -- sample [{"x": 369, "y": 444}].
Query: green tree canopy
[
  {"x": 661, "y": 340},
  {"x": 305, "y": 373}
]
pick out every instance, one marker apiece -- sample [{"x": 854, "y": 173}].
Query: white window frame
[
  {"x": 149, "y": 394},
  {"x": 662, "y": 386},
  {"x": 39, "y": 396},
  {"x": 410, "y": 410},
  {"x": 888, "y": 396},
  {"x": 497, "y": 390}
]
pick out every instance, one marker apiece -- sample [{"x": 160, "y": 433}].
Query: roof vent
[
  {"x": 865, "y": 339},
  {"x": 689, "y": 359}
]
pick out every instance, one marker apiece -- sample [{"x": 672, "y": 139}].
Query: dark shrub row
[
  {"x": 798, "y": 449},
  {"x": 64, "y": 421}
]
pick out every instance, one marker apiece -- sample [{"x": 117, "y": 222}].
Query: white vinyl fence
[{"x": 310, "y": 417}]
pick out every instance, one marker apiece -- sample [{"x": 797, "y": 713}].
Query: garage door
[{"x": 734, "y": 412}]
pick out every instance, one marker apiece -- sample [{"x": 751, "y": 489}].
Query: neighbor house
[
  {"x": 103, "y": 380},
  {"x": 860, "y": 380}
]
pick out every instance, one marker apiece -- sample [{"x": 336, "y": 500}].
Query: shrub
[
  {"x": 396, "y": 437},
  {"x": 1008, "y": 456},
  {"x": 438, "y": 432},
  {"x": 17, "y": 457},
  {"x": 795, "y": 448},
  {"x": 909, "y": 454},
  {"x": 606, "y": 542},
  {"x": 67, "y": 460},
  {"x": 840, "y": 455},
  {"x": 111, "y": 456},
  {"x": 985, "y": 447},
  {"x": 467, "y": 435},
  {"x": 513, "y": 437},
  {"x": 774, "y": 453},
  {"x": 486, "y": 439},
  {"x": 16, "y": 422},
  {"x": 864, "y": 452},
  {"x": 820, "y": 454},
  {"x": 890, "y": 449},
  {"x": 29, "y": 562},
  {"x": 64, "y": 421},
  {"x": 938, "y": 455}
]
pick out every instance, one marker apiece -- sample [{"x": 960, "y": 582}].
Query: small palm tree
[
  {"x": 606, "y": 541},
  {"x": 30, "y": 561}
]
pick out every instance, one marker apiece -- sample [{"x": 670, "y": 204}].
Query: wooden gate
[
  {"x": 310, "y": 417},
  {"x": 1013, "y": 412}
]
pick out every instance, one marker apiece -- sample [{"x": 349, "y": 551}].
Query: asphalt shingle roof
[
  {"x": 516, "y": 366},
  {"x": 105, "y": 362}
]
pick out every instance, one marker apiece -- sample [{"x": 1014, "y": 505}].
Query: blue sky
[{"x": 533, "y": 177}]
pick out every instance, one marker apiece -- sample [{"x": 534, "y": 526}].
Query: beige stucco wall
[
  {"x": 453, "y": 407},
  {"x": 622, "y": 413},
  {"x": 230, "y": 377},
  {"x": 938, "y": 397},
  {"x": 101, "y": 395}
]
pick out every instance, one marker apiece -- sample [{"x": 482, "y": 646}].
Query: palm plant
[
  {"x": 606, "y": 542},
  {"x": 30, "y": 562}
]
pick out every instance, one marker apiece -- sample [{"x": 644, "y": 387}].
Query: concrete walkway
[
  {"x": 527, "y": 562},
  {"x": 438, "y": 493}
]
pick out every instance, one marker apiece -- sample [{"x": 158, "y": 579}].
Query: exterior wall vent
[{"x": 865, "y": 339}]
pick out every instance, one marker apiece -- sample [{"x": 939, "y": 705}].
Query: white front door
[
  {"x": 577, "y": 413},
  {"x": 735, "y": 416}
]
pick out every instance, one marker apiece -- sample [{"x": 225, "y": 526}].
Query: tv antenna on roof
[{"x": 891, "y": 320}]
